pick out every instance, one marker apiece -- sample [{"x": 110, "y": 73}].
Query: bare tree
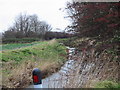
[{"x": 28, "y": 26}]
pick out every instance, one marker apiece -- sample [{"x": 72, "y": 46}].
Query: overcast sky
[{"x": 47, "y": 10}]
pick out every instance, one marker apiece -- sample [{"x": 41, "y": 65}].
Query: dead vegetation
[
  {"x": 21, "y": 75},
  {"x": 90, "y": 69}
]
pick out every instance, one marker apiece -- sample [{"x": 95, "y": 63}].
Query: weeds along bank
[
  {"x": 90, "y": 71},
  {"x": 17, "y": 64},
  {"x": 97, "y": 63}
]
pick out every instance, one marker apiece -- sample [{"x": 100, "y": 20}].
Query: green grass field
[
  {"x": 16, "y": 45},
  {"x": 43, "y": 50}
]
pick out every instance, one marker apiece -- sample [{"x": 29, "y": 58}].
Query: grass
[
  {"x": 42, "y": 50},
  {"x": 107, "y": 84},
  {"x": 18, "y": 64},
  {"x": 16, "y": 45}
]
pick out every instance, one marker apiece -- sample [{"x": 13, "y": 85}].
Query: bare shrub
[
  {"x": 86, "y": 71},
  {"x": 89, "y": 69}
]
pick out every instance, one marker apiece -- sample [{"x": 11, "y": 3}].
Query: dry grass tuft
[
  {"x": 21, "y": 75},
  {"x": 91, "y": 68}
]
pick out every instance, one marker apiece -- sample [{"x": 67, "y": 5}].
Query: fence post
[{"x": 36, "y": 75}]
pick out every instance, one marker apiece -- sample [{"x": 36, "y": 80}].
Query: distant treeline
[
  {"x": 19, "y": 40},
  {"x": 28, "y": 28},
  {"x": 51, "y": 35},
  {"x": 48, "y": 36}
]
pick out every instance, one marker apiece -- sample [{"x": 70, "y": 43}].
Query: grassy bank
[{"x": 48, "y": 56}]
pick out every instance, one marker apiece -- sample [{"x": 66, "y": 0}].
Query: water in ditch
[
  {"x": 58, "y": 79},
  {"x": 69, "y": 73}
]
